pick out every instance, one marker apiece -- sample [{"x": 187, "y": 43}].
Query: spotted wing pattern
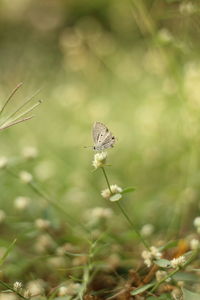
[{"x": 103, "y": 138}]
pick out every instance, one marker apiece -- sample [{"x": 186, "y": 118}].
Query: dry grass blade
[
  {"x": 16, "y": 122},
  {"x": 10, "y": 97}
]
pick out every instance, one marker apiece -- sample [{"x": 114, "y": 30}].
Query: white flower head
[
  {"x": 30, "y": 152},
  {"x": 17, "y": 286},
  {"x": 35, "y": 287},
  {"x": 99, "y": 160},
  {"x": 177, "y": 294},
  {"x": 21, "y": 202},
  {"x": 187, "y": 8},
  {"x": 43, "y": 243},
  {"x": 147, "y": 229},
  {"x": 194, "y": 244},
  {"x": 97, "y": 214},
  {"x": 197, "y": 222},
  {"x": 149, "y": 256},
  {"x": 165, "y": 35},
  {"x": 3, "y": 162},
  {"x": 101, "y": 212},
  {"x": 115, "y": 189},
  {"x": 25, "y": 177},
  {"x": 42, "y": 224},
  {"x": 70, "y": 289},
  {"x": 62, "y": 291},
  {"x": 160, "y": 275},
  {"x": 177, "y": 262}
]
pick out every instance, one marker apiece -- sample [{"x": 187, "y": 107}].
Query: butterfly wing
[
  {"x": 102, "y": 137},
  {"x": 99, "y": 129},
  {"x": 108, "y": 141}
]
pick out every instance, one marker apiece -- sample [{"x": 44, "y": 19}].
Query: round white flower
[
  {"x": 30, "y": 152},
  {"x": 165, "y": 35},
  {"x": 17, "y": 286},
  {"x": 194, "y": 244},
  {"x": 101, "y": 212},
  {"x": 197, "y": 222},
  {"x": 160, "y": 275},
  {"x": 147, "y": 229},
  {"x": 25, "y": 177},
  {"x": 149, "y": 256},
  {"x": 21, "y": 202},
  {"x": 115, "y": 189},
  {"x": 3, "y": 162},
  {"x": 62, "y": 291},
  {"x": 177, "y": 262},
  {"x": 106, "y": 193},
  {"x": 35, "y": 287},
  {"x": 187, "y": 8},
  {"x": 99, "y": 160},
  {"x": 42, "y": 223}
]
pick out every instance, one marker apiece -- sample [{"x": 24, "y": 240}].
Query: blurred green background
[{"x": 133, "y": 65}]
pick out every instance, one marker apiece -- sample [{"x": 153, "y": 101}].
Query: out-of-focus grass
[{"x": 135, "y": 70}]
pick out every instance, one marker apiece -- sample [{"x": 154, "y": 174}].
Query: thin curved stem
[
  {"x": 10, "y": 97},
  {"x": 126, "y": 215}
]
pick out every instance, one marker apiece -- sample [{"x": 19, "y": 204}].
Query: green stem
[
  {"x": 133, "y": 226},
  {"x": 126, "y": 215},
  {"x": 10, "y": 288},
  {"x": 106, "y": 177},
  {"x": 71, "y": 222},
  {"x": 194, "y": 254},
  {"x": 10, "y": 97}
]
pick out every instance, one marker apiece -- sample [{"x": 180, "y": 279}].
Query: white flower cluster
[
  {"x": 197, "y": 224},
  {"x": 194, "y": 244},
  {"x": 101, "y": 212},
  {"x": 187, "y": 8},
  {"x": 3, "y": 162},
  {"x": 21, "y": 203},
  {"x": 35, "y": 287},
  {"x": 17, "y": 286},
  {"x": 97, "y": 214},
  {"x": 30, "y": 152},
  {"x": 42, "y": 224},
  {"x": 160, "y": 274},
  {"x": 116, "y": 191},
  {"x": 70, "y": 290},
  {"x": 147, "y": 230},
  {"x": 177, "y": 262},
  {"x": 99, "y": 160},
  {"x": 149, "y": 256},
  {"x": 25, "y": 177}
]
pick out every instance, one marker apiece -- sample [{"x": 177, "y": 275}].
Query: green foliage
[
  {"x": 162, "y": 297},
  {"x": 163, "y": 263},
  {"x": 142, "y": 289},
  {"x": 188, "y": 295},
  {"x": 8, "y": 250},
  {"x": 133, "y": 65}
]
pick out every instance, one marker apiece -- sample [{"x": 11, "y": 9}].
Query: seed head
[{"x": 99, "y": 160}]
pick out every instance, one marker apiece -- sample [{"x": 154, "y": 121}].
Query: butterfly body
[{"x": 103, "y": 138}]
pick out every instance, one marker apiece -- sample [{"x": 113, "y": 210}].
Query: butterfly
[{"x": 102, "y": 137}]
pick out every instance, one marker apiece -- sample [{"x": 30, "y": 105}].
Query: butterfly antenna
[
  {"x": 87, "y": 146},
  {"x": 10, "y": 97}
]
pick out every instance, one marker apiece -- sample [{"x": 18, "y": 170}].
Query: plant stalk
[{"x": 126, "y": 215}]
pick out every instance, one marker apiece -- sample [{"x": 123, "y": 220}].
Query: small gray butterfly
[{"x": 103, "y": 138}]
